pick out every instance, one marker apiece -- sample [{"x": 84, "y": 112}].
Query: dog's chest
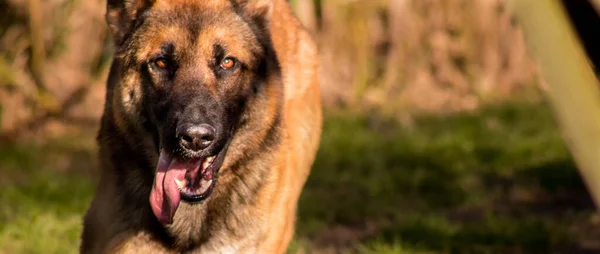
[
  {"x": 232, "y": 249},
  {"x": 247, "y": 245},
  {"x": 249, "y": 240}
]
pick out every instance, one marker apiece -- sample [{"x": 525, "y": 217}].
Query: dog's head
[{"x": 189, "y": 74}]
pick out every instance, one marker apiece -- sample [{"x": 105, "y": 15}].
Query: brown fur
[{"x": 253, "y": 206}]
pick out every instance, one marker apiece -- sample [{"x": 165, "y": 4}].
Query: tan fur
[{"x": 265, "y": 225}]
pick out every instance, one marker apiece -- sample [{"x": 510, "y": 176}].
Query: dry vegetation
[
  {"x": 427, "y": 55},
  {"x": 52, "y": 64}
]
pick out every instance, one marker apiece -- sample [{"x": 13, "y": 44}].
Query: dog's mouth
[{"x": 179, "y": 180}]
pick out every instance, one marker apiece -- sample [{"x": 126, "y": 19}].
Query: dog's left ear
[{"x": 258, "y": 10}]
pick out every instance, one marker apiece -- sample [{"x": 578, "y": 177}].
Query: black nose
[{"x": 195, "y": 137}]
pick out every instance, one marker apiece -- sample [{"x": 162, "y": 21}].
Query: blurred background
[{"x": 437, "y": 137}]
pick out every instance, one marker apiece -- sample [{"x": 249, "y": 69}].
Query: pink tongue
[{"x": 164, "y": 198}]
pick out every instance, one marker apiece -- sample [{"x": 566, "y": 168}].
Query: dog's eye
[
  {"x": 160, "y": 63},
  {"x": 227, "y": 63}
]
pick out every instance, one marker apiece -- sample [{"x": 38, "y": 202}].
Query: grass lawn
[{"x": 495, "y": 181}]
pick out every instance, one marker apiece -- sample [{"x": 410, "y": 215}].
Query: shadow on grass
[{"x": 495, "y": 181}]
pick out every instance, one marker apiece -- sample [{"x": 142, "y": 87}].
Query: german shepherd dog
[{"x": 211, "y": 123}]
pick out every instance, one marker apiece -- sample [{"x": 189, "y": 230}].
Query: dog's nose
[{"x": 196, "y": 137}]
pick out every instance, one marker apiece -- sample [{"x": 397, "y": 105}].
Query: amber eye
[
  {"x": 160, "y": 63},
  {"x": 227, "y": 63}
]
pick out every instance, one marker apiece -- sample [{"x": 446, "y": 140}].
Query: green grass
[
  {"x": 495, "y": 181},
  {"x": 44, "y": 190}
]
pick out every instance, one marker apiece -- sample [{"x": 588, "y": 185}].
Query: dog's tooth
[
  {"x": 205, "y": 185},
  {"x": 180, "y": 184},
  {"x": 205, "y": 164}
]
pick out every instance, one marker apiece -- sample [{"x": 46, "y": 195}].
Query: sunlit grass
[{"x": 41, "y": 206}]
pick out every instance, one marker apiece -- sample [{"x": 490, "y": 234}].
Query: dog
[{"x": 211, "y": 123}]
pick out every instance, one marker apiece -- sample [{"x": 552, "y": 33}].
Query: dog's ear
[
  {"x": 121, "y": 16},
  {"x": 258, "y": 10}
]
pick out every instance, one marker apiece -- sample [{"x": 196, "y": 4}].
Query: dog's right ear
[
  {"x": 259, "y": 11},
  {"x": 121, "y": 16}
]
